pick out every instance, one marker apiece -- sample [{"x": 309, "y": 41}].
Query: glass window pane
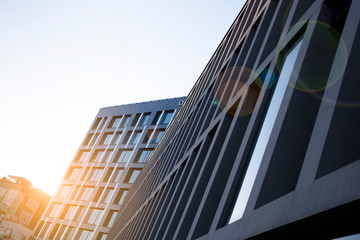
[{"x": 265, "y": 132}]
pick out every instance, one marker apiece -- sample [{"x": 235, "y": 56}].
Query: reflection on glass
[{"x": 265, "y": 132}]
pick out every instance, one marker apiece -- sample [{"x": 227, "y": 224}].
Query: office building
[
  {"x": 21, "y": 206},
  {"x": 110, "y": 158},
  {"x": 266, "y": 145}
]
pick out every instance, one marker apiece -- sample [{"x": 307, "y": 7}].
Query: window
[
  {"x": 264, "y": 135},
  {"x": 108, "y": 155},
  {"x": 90, "y": 139},
  {"x": 125, "y": 121},
  {"x": 64, "y": 191},
  {"x": 135, "y": 137},
  {"x": 156, "y": 118},
  {"x": 115, "y": 122},
  {"x": 54, "y": 231},
  {"x": 117, "y": 138},
  {"x": 71, "y": 212},
  {"x": 95, "y": 174},
  {"x": 83, "y": 156},
  {"x": 97, "y": 156},
  {"x": 85, "y": 193},
  {"x": 32, "y": 204},
  {"x": 74, "y": 173},
  {"x": 132, "y": 175},
  {"x": 117, "y": 174},
  {"x": 96, "y": 124},
  {"x": 54, "y": 210},
  {"x": 157, "y": 135},
  {"x": 66, "y": 232},
  {"x": 2, "y": 191},
  {"x": 110, "y": 219},
  {"x": 94, "y": 216},
  {"x": 44, "y": 229},
  {"x": 121, "y": 196},
  {"x": 105, "y": 194},
  {"x": 10, "y": 197},
  {"x": 143, "y": 155},
  {"x": 106, "y": 139},
  {"x": 145, "y": 118},
  {"x": 101, "y": 155},
  {"x": 167, "y": 117},
  {"x": 136, "y": 119},
  {"x": 84, "y": 234},
  {"x": 123, "y": 155}
]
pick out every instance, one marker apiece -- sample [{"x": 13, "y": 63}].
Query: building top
[{"x": 170, "y": 103}]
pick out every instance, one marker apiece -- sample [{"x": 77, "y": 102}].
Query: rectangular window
[
  {"x": 74, "y": 173},
  {"x": 95, "y": 174},
  {"x": 116, "y": 175},
  {"x": 121, "y": 196},
  {"x": 144, "y": 119},
  {"x": 264, "y": 135},
  {"x": 135, "y": 137},
  {"x": 108, "y": 155},
  {"x": 96, "y": 124},
  {"x": 85, "y": 193},
  {"x": 54, "y": 210},
  {"x": 71, "y": 212},
  {"x": 117, "y": 138},
  {"x": 107, "y": 138},
  {"x": 132, "y": 175},
  {"x": 157, "y": 135},
  {"x": 66, "y": 232},
  {"x": 110, "y": 219},
  {"x": 97, "y": 156},
  {"x": 83, "y": 156},
  {"x": 32, "y": 204},
  {"x": 143, "y": 155},
  {"x": 90, "y": 139},
  {"x": 54, "y": 231},
  {"x": 94, "y": 216},
  {"x": 125, "y": 121},
  {"x": 123, "y": 155},
  {"x": 104, "y": 195},
  {"x": 167, "y": 117},
  {"x": 64, "y": 191},
  {"x": 115, "y": 122},
  {"x": 156, "y": 118},
  {"x": 44, "y": 229},
  {"x": 136, "y": 119}
]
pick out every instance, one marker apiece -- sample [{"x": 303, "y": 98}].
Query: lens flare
[
  {"x": 325, "y": 42},
  {"x": 232, "y": 81}
]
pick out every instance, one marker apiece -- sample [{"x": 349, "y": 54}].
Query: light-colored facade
[
  {"x": 21, "y": 207},
  {"x": 112, "y": 155}
]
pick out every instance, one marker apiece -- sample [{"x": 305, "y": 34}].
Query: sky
[{"x": 61, "y": 61}]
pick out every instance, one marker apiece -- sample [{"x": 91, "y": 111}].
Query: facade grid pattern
[
  {"x": 267, "y": 138},
  {"x": 107, "y": 163}
]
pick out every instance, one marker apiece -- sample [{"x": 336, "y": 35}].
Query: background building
[
  {"x": 114, "y": 151},
  {"x": 266, "y": 145},
  {"x": 21, "y": 207}
]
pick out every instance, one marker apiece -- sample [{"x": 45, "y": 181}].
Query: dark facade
[
  {"x": 113, "y": 153},
  {"x": 266, "y": 145},
  {"x": 21, "y": 206}
]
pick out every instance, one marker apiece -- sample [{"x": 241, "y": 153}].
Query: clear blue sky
[{"x": 60, "y": 61}]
